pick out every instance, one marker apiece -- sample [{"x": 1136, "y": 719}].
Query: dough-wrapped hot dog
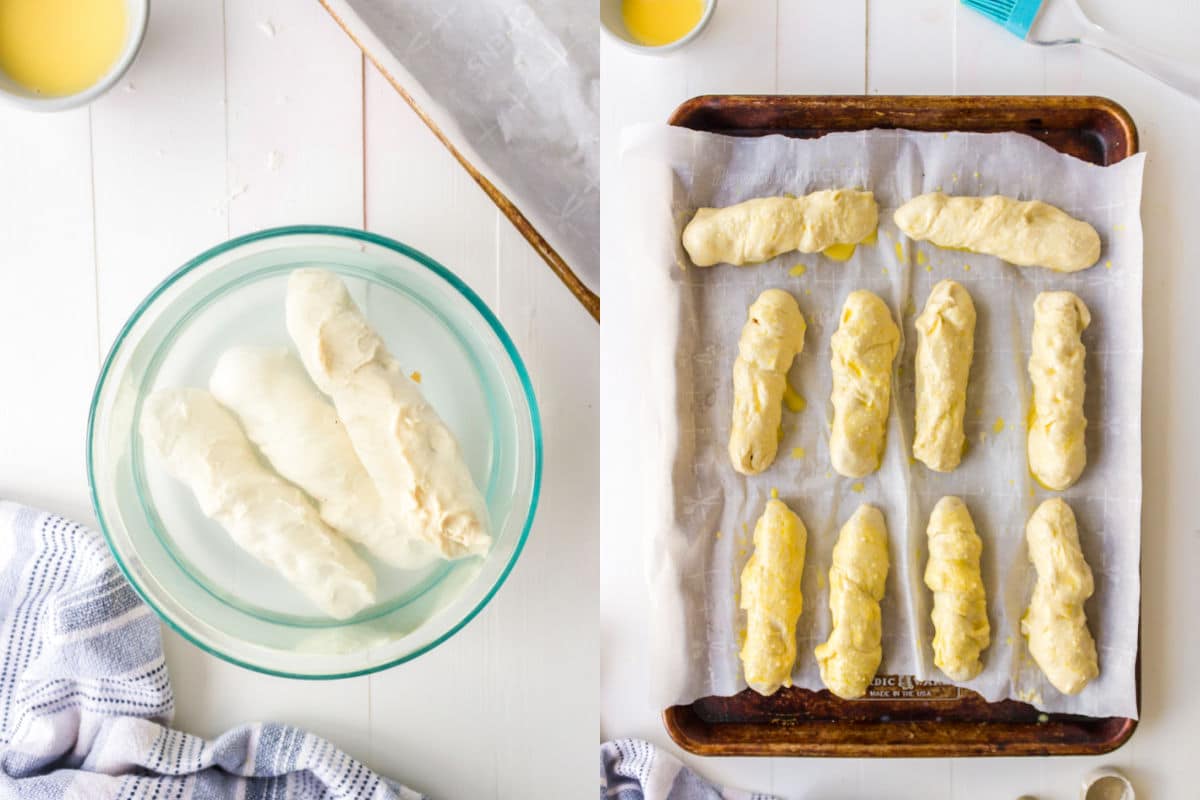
[
  {"x": 758, "y": 230},
  {"x": 202, "y": 446},
  {"x": 960, "y": 622},
  {"x": 945, "y": 347},
  {"x": 299, "y": 432},
  {"x": 771, "y": 598},
  {"x": 864, "y": 347},
  {"x": 1055, "y": 624},
  {"x": 408, "y": 451},
  {"x": 850, "y": 658},
  {"x": 1056, "y": 446},
  {"x": 1027, "y": 233},
  {"x": 771, "y": 338}
]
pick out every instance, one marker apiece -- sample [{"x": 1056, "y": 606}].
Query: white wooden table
[
  {"x": 936, "y": 47},
  {"x": 244, "y": 115}
]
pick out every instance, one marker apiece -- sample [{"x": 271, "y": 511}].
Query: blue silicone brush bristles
[{"x": 1016, "y": 16}]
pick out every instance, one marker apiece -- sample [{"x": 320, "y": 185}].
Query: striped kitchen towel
[
  {"x": 85, "y": 698},
  {"x": 632, "y": 769}
]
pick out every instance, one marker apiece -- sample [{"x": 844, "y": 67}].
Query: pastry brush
[{"x": 1022, "y": 17}]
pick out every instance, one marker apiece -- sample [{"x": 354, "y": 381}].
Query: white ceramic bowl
[
  {"x": 614, "y": 26},
  {"x": 137, "y": 14}
]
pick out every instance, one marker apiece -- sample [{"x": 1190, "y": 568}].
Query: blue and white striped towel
[
  {"x": 85, "y": 698},
  {"x": 632, "y": 769}
]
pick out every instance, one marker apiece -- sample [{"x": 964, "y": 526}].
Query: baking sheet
[
  {"x": 700, "y": 513},
  {"x": 515, "y": 84}
]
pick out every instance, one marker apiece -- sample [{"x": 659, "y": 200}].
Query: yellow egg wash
[
  {"x": 658, "y": 22},
  {"x": 60, "y": 47},
  {"x": 794, "y": 401},
  {"x": 840, "y": 252}
]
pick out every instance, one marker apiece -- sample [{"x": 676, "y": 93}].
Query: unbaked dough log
[
  {"x": 1055, "y": 624},
  {"x": 864, "y": 347},
  {"x": 758, "y": 230},
  {"x": 1056, "y": 446},
  {"x": 960, "y": 622},
  {"x": 299, "y": 432},
  {"x": 408, "y": 451},
  {"x": 771, "y": 598},
  {"x": 1027, "y": 233},
  {"x": 771, "y": 338},
  {"x": 945, "y": 347},
  {"x": 850, "y": 658},
  {"x": 202, "y": 446}
]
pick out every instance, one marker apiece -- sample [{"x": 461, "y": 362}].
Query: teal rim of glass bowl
[{"x": 433, "y": 266}]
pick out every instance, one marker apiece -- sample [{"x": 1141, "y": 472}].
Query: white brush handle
[{"x": 1183, "y": 75}]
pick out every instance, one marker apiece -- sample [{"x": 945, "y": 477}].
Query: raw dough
[
  {"x": 864, "y": 347},
  {"x": 771, "y": 598},
  {"x": 1026, "y": 233},
  {"x": 202, "y": 446},
  {"x": 849, "y": 660},
  {"x": 945, "y": 347},
  {"x": 1055, "y": 624},
  {"x": 772, "y": 336},
  {"x": 408, "y": 451},
  {"x": 960, "y": 622},
  {"x": 758, "y": 230},
  {"x": 299, "y": 432},
  {"x": 1056, "y": 446}
]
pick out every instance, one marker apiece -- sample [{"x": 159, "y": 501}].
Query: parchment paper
[
  {"x": 700, "y": 513},
  {"x": 515, "y": 85}
]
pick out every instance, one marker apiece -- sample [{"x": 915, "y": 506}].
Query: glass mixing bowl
[{"x": 188, "y": 568}]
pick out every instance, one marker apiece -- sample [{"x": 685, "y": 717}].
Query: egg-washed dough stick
[
  {"x": 299, "y": 432},
  {"x": 201, "y": 445},
  {"x": 864, "y": 347},
  {"x": 960, "y": 622},
  {"x": 850, "y": 658},
  {"x": 1056, "y": 446},
  {"x": 945, "y": 347},
  {"x": 758, "y": 230},
  {"x": 1055, "y": 624},
  {"x": 1028, "y": 233},
  {"x": 772, "y": 336},
  {"x": 771, "y": 598},
  {"x": 408, "y": 451}
]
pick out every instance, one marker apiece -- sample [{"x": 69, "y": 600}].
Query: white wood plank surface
[
  {"x": 48, "y": 342},
  {"x": 244, "y": 115},
  {"x": 925, "y": 47},
  {"x": 158, "y": 143},
  {"x": 293, "y": 120},
  {"x": 910, "y": 47},
  {"x": 821, "y": 47}
]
